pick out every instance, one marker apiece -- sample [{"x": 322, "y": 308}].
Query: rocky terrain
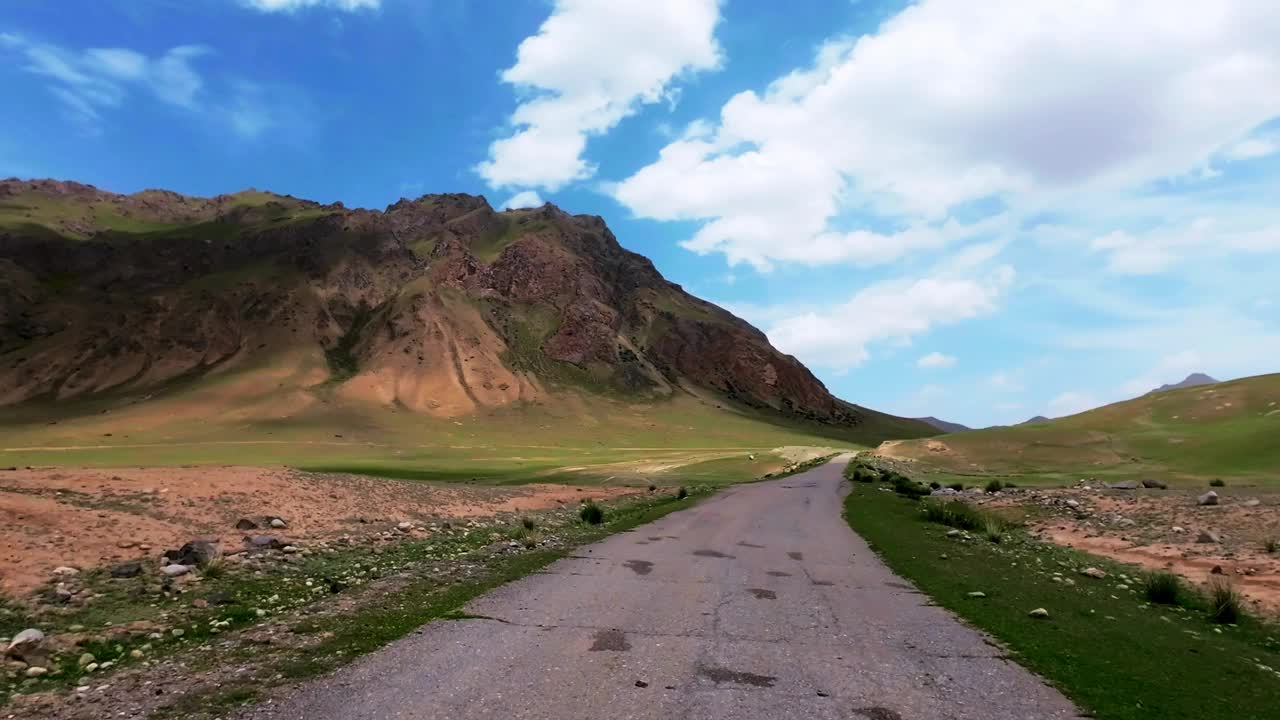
[{"x": 438, "y": 305}]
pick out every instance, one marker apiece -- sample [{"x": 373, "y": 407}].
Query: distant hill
[
  {"x": 1035, "y": 420},
  {"x": 1193, "y": 380},
  {"x": 943, "y": 425},
  {"x": 1188, "y": 433}
]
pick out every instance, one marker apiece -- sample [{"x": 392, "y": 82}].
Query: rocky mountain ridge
[{"x": 438, "y": 305}]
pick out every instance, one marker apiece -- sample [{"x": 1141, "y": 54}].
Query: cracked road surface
[{"x": 757, "y": 603}]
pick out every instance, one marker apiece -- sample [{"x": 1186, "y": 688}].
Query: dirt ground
[
  {"x": 1161, "y": 530},
  {"x": 51, "y": 518}
]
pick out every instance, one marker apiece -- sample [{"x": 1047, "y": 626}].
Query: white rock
[
  {"x": 278, "y": 524},
  {"x": 1093, "y": 572},
  {"x": 977, "y": 594},
  {"x": 65, "y": 571},
  {"x": 1039, "y": 613},
  {"x": 175, "y": 570},
  {"x": 1209, "y": 498},
  {"x": 36, "y": 671},
  {"x": 25, "y": 643}
]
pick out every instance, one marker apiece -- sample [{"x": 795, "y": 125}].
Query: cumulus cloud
[
  {"x": 951, "y": 102},
  {"x": 892, "y": 312},
  {"x": 523, "y": 199},
  {"x": 591, "y": 65},
  {"x": 288, "y": 6},
  {"x": 936, "y": 360},
  {"x": 89, "y": 81}
]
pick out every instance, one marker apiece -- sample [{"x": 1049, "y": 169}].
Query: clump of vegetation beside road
[{"x": 1109, "y": 641}]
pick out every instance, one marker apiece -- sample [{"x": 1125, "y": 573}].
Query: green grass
[
  {"x": 1114, "y": 654},
  {"x": 1224, "y": 432}
]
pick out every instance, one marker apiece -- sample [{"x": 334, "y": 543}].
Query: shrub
[
  {"x": 592, "y": 513},
  {"x": 995, "y": 486},
  {"x": 994, "y": 529},
  {"x": 935, "y": 485},
  {"x": 528, "y": 523},
  {"x": 910, "y": 488},
  {"x": 956, "y": 486},
  {"x": 955, "y": 513},
  {"x": 213, "y": 569},
  {"x": 1217, "y": 482},
  {"x": 1226, "y": 605},
  {"x": 652, "y": 487},
  {"x": 1271, "y": 546},
  {"x": 1163, "y": 588},
  {"x": 682, "y": 493},
  {"x": 1009, "y": 486}
]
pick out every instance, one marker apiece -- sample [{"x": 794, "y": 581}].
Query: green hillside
[{"x": 1229, "y": 430}]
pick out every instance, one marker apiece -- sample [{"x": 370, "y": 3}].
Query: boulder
[
  {"x": 1209, "y": 498},
  {"x": 1093, "y": 572},
  {"x": 127, "y": 570},
  {"x": 279, "y": 523},
  {"x": 175, "y": 570},
  {"x": 196, "y": 552},
  {"x": 1124, "y": 485},
  {"x": 27, "y": 646},
  {"x": 1155, "y": 484}
]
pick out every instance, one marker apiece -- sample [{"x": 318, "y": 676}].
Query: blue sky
[{"x": 976, "y": 211}]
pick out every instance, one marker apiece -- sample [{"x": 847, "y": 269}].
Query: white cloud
[
  {"x": 1254, "y": 147},
  {"x": 951, "y": 102},
  {"x": 1159, "y": 249},
  {"x": 89, "y": 81},
  {"x": 1007, "y": 381},
  {"x": 1070, "y": 403},
  {"x": 523, "y": 199},
  {"x": 591, "y": 65},
  {"x": 288, "y": 6},
  {"x": 936, "y": 360},
  {"x": 894, "y": 312}
]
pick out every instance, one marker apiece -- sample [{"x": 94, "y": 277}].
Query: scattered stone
[
  {"x": 1124, "y": 485},
  {"x": 404, "y": 527},
  {"x": 1155, "y": 484},
  {"x": 246, "y": 524},
  {"x": 1093, "y": 572},
  {"x": 1208, "y": 536},
  {"x": 136, "y": 654},
  {"x": 1252, "y": 502},
  {"x": 289, "y": 549},
  {"x": 177, "y": 632},
  {"x": 977, "y": 594},
  {"x": 127, "y": 570},
  {"x": 1178, "y": 529},
  {"x": 36, "y": 671},
  {"x": 65, "y": 571},
  {"x": 279, "y": 523},
  {"x": 263, "y": 542},
  {"x": 641, "y": 684},
  {"x": 85, "y": 659},
  {"x": 1209, "y": 498},
  {"x": 953, "y": 533},
  {"x": 1073, "y": 504},
  {"x": 26, "y": 645},
  {"x": 91, "y": 667},
  {"x": 1039, "y": 613},
  {"x": 175, "y": 570}
]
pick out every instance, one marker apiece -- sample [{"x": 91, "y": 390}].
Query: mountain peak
[{"x": 1193, "y": 380}]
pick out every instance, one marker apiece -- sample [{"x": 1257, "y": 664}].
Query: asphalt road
[{"x": 759, "y": 603}]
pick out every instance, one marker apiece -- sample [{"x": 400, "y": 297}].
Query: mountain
[
  {"x": 438, "y": 306},
  {"x": 1226, "y": 429},
  {"x": 1192, "y": 380},
  {"x": 1038, "y": 419},
  {"x": 943, "y": 425}
]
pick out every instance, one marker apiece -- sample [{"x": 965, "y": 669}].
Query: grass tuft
[
  {"x": 1217, "y": 482},
  {"x": 955, "y": 513},
  {"x": 1271, "y": 546},
  {"x": 1226, "y": 604},
  {"x": 994, "y": 486},
  {"x": 1163, "y": 588},
  {"x": 528, "y": 523},
  {"x": 591, "y": 513},
  {"x": 994, "y": 530}
]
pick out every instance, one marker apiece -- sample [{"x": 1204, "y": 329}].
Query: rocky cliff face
[{"x": 440, "y": 304}]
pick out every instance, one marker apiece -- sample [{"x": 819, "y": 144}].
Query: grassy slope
[
  {"x": 1104, "y": 647},
  {"x": 1188, "y": 435}
]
